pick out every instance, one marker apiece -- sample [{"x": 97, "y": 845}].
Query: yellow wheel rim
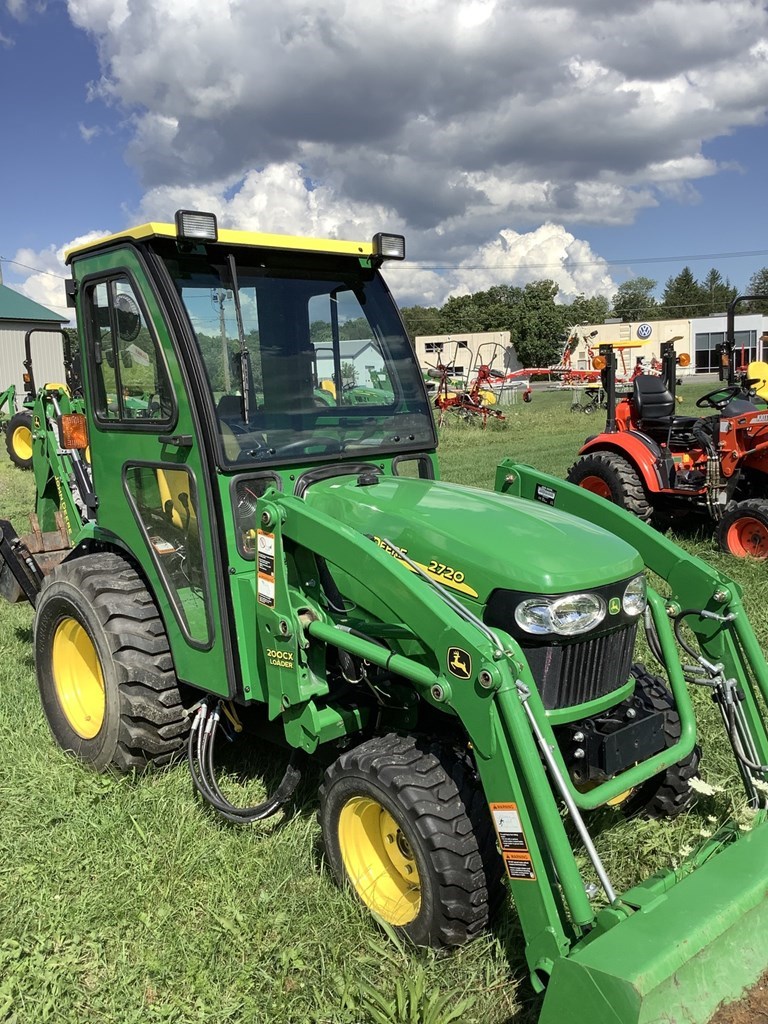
[
  {"x": 21, "y": 442},
  {"x": 78, "y": 678},
  {"x": 379, "y": 861}
]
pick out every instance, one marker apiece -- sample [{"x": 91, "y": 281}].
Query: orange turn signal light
[
  {"x": 26, "y": 378},
  {"x": 599, "y": 363},
  {"x": 74, "y": 431},
  {"x": 684, "y": 359}
]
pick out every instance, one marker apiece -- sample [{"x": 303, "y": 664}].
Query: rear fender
[{"x": 639, "y": 450}]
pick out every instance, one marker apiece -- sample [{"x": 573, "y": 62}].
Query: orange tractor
[{"x": 659, "y": 465}]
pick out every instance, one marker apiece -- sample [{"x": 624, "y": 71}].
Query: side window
[
  {"x": 130, "y": 380},
  {"x": 349, "y": 367},
  {"x": 164, "y": 500}
]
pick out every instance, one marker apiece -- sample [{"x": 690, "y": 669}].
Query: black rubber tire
[
  {"x": 754, "y": 509},
  {"x": 433, "y": 794},
  {"x": 145, "y": 722},
  {"x": 21, "y": 419},
  {"x": 621, "y": 478},
  {"x": 668, "y": 794}
]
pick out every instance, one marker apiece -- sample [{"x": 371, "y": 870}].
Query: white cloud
[
  {"x": 45, "y": 283},
  {"x": 456, "y": 121},
  {"x": 87, "y": 133}
]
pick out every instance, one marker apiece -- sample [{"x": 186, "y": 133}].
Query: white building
[
  {"x": 697, "y": 337},
  {"x": 465, "y": 352}
]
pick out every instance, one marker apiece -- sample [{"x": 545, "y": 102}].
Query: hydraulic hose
[{"x": 200, "y": 756}]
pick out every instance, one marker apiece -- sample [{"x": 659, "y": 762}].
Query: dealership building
[{"x": 698, "y": 338}]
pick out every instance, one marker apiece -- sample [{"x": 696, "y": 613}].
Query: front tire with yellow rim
[
  {"x": 406, "y": 827},
  {"x": 18, "y": 439},
  {"x": 104, "y": 668}
]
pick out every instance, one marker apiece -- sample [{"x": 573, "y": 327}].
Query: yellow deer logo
[{"x": 459, "y": 663}]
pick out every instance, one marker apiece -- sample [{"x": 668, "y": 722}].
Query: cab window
[{"x": 130, "y": 380}]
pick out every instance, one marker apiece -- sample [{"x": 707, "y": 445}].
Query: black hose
[
  {"x": 200, "y": 750},
  {"x": 677, "y": 623}
]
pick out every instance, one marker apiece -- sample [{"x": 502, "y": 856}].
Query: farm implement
[
  {"x": 250, "y": 562},
  {"x": 657, "y": 464},
  {"x": 475, "y": 401}
]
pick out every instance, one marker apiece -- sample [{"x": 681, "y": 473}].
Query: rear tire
[
  {"x": 667, "y": 794},
  {"x": 743, "y": 530},
  {"x": 406, "y": 825},
  {"x": 614, "y": 478},
  {"x": 104, "y": 667},
  {"x": 18, "y": 439}
]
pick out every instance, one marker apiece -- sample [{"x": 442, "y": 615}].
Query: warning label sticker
[
  {"x": 265, "y": 564},
  {"x": 519, "y": 866},
  {"x": 508, "y": 828},
  {"x": 266, "y": 553}
]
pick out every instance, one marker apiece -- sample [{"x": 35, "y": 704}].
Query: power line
[
  {"x": 597, "y": 262},
  {"x": 35, "y": 270}
]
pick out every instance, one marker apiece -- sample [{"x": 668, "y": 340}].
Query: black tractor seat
[{"x": 655, "y": 407}]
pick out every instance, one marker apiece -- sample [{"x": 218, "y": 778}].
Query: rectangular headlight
[
  {"x": 191, "y": 224},
  {"x": 389, "y": 247}
]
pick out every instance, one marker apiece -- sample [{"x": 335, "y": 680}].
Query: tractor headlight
[
  {"x": 567, "y": 616},
  {"x": 635, "y": 597}
]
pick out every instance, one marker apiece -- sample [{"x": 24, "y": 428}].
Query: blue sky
[{"x": 507, "y": 140}]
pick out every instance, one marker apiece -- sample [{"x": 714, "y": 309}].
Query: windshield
[{"x": 323, "y": 367}]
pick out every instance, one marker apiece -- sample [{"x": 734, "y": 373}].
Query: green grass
[{"x": 122, "y": 900}]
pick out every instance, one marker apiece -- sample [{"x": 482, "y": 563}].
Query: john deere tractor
[{"x": 246, "y": 558}]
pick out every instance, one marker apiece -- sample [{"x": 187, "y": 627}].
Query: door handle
[{"x": 177, "y": 440}]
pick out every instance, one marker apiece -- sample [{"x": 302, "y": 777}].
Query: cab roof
[{"x": 227, "y": 237}]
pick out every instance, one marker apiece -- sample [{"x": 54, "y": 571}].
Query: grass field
[{"x": 122, "y": 900}]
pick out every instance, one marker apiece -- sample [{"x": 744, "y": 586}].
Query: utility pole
[{"x": 221, "y": 298}]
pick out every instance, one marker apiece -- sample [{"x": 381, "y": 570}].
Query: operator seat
[{"x": 655, "y": 407}]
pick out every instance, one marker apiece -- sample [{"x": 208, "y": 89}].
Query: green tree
[
  {"x": 593, "y": 310},
  {"x": 634, "y": 300},
  {"x": 539, "y": 324},
  {"x": 758, "y": 285},
  {"x": 421, "y": 320},
  {"x": 460, "y": 315},
  {"x": 718, "y": 293},
  {"x": 683, "y": 297}
]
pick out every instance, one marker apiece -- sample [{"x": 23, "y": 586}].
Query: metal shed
[{"x": 18, "y": 314}]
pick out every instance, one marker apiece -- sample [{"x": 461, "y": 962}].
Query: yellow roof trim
[{"x": 228, "y": 237}]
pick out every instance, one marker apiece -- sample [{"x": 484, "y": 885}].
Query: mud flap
[{"x": 688, "y": 950}]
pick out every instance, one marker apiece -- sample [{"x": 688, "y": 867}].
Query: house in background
[{"x": 18, "y": 314}]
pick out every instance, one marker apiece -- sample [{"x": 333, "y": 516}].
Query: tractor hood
[{"x": 476, "y": 541}]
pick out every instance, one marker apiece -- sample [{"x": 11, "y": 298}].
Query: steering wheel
[
  {"x": 325, "y": 444},
  {"x": 719, "y": 398}
]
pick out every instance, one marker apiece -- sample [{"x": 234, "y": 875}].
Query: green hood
[{"x": 477, "y": 541}]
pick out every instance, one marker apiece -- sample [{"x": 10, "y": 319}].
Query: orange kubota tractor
[{"x": 659, "y": 465}]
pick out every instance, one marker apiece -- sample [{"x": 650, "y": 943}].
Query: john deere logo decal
[
  {"x": 614, "y": 606},
  {"x": 459, "y": 663}
]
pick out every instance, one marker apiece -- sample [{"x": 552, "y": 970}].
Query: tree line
[{"x": 539, "y": 326}]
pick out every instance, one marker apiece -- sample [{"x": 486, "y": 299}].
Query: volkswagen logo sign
[{"x": 644, "y": 331}]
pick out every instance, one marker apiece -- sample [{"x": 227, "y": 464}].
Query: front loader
[{"x": 252, "y": 562}]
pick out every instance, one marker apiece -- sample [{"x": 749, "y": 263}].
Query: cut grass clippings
[{"x": 123, "y": 900}]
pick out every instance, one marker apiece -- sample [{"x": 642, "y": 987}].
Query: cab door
[{"x": 149, "y": 472}]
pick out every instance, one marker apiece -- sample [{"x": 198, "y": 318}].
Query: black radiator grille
[{"x": 575, "y": 673}]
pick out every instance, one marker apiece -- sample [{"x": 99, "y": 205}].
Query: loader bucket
[{"x": 674, "y": 961}]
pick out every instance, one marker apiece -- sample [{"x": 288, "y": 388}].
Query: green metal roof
[{"x": 14, "y": 306}]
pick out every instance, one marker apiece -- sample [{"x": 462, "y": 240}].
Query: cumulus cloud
[
  {"x": 45, "y": 283},
  {"x": 490, "y": 132},
  {"x": 461, "y": 119}
]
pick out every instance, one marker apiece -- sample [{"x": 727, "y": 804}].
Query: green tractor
[{"x": 246, "y": 560}]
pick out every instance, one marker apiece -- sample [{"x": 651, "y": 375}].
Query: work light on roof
[
  {"x": 389, "y": 247},
  {"x": 193, "y": 225}
]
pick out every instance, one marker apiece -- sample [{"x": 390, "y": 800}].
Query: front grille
[{"x": 575, "y": 673}]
